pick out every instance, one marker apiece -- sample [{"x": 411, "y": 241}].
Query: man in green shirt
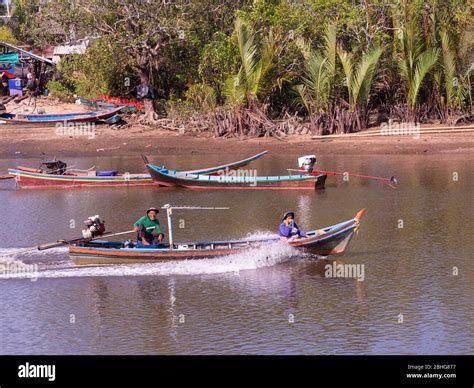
[{"x": 148, "y": 229}]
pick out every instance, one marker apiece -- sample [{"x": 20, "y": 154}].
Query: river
[{"x": 415, "y": 246}]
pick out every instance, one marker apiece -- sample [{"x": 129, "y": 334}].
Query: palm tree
[
  {"x": 359, "y": 77},
  {"x": 316, "y": 91},
  {"x": 242, "y": 86},
  {"x": 455, "y": 83},
  {"x": 414, "y": 62},
  {"x": 251, "y": 83}
]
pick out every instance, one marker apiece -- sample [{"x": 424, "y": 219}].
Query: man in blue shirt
[{"x": 289, "y": 231}]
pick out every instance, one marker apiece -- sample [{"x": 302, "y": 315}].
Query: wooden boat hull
[
  {"x": 331, "y": 244},
  {"x": 28, "y": 179},
  {"x": 31, "y": 178},
  {"x": 327, "y": 241},
  {"x": 85, "y": 256},
  {"x": 171, "y": 178},
  {"x": 53, "y": 119}
]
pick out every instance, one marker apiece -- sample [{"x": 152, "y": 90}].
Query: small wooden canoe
[
  {"x": 33, "y": 178},
  {"x": 172, "y": 178},
  {"x": 326, "y": 241},
  {"x": 58, "y": 118}
]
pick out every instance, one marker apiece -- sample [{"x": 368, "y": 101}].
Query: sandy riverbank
[{"x": 129, "y": 141}]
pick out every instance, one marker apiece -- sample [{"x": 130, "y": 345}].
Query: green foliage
[
  {"x": 414, "y": 54},
  {"x": 315, "y": 94},
  {"x": 414, "y": 60},
  {"x": 60, "y": 91},
  {"x": 219, "y": 59},
  {"x": 201, "y": 97},
  {"x": 455, "y": 87},
  {"x": 37, "y": 21},
  {"x": 257, "y": 76},
  {"x": 25, "y": 12},
  {"x": 6, "y": 35},
  {"x": 359, "y": 76},
  {"x": 101, "y": 70}
]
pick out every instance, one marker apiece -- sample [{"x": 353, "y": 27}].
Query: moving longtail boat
[
  {"x": 326, "y": 241},
  {"x": 172, "y": 178},
  {"x": 56, "y": 174},
  {"x": 106, "y": 116}
]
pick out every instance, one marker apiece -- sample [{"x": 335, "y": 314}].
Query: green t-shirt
[{"x": 147, "y": 223}]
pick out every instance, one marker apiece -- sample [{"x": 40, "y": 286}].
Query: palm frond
[
  {"x": 424, "y": 64},
  {"x": 364, "y": 76},
  {"x": 449, "y": 67},
  {"x": 414, "y": 61},
  {"x": 304, "y": 47},
  {"x": 257, "y": 76},
  {"x": 233, "y": 92},
  {"x": 348, "y": 68},
  {"x": 330, "y": 48},
  {"x": 302, "y": 98},
  {"x": 269, "y": 79},
  {"x": 250, "y": 65}
]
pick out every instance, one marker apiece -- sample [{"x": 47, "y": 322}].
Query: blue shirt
[{"x": 291, "y": 231}]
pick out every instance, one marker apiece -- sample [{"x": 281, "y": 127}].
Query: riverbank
[
  {"x": 107, "y": 140},
  {"x": 134, "y": 140}
]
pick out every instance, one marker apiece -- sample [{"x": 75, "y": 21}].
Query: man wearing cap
[
  {"x": 289, "y": 231},
  {"x": 148, "y": 229}
]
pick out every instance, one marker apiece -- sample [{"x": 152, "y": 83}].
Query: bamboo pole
[
  {"x": 427, "y": 131},
  {"x": 59, "y": 243}
]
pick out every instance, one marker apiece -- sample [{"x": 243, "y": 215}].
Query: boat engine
[
  {"x": 94, "y": 227},
  {"x": 306, "y": 163}
]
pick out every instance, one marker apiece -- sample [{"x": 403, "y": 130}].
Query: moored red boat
[
  {"x": 56, "y": 174},
  {"x": 35, "y": 178}
]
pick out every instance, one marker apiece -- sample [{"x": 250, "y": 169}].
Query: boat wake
[
  {"x": 45, "y": 257},
  {"x": 15, "y": 264},
  {"x": 251, "y": 259}
]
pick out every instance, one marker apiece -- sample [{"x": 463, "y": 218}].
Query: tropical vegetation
[{"x": 260, "y": 67}]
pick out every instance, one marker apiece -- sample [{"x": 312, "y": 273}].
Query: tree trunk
[{"x": 150, "y": 115}]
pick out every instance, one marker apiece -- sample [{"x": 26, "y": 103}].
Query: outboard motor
[
  {"x": 306, "y": 163},
  {"x": 94, "y": 227}
]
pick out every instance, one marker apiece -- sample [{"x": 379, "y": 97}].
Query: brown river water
[{"x": 416, "y": 295}]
